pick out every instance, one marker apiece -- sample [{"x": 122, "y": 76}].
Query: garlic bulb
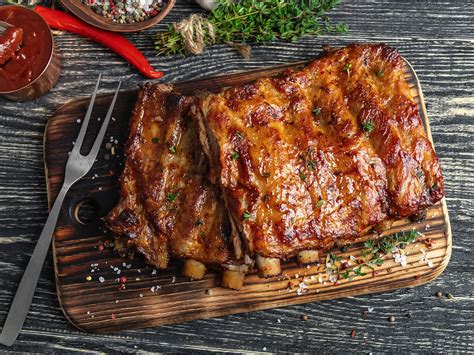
[{"x": 208, "y": 4}]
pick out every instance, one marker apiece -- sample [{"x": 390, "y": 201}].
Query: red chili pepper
[{"x": 65, "y": 22}]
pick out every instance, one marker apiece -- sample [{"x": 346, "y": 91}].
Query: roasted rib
[
  {"x": 319, "y": 155},
  {"x": 168, "y": 208}
]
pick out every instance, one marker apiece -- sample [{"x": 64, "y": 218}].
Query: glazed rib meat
[
  {"x": 168, "y": 208},
  {"x": 322, "y": 154}
]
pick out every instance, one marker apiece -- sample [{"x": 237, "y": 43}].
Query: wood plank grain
[{"x": 102, "y": 304}]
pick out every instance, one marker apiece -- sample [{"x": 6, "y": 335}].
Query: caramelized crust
[
  {"x": 320, "y": 155},
  {"x": 168, "y": 208}
]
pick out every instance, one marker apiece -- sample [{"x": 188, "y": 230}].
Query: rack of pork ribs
[{"x": 283, "y": 167}]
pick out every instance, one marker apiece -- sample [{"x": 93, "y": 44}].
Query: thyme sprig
[
  {"x": 373, "y": 254},
  {"x": 256, "y": 21}
]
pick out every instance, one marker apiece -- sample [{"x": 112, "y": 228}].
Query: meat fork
[{"x": 77, "y": 166}]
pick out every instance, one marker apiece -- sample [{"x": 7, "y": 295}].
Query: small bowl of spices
[
  {"x": 29, "y": 61},
  {"x": 120, "y": 15}
]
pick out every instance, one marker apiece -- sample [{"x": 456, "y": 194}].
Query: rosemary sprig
[{"x": 257, "y": 21}]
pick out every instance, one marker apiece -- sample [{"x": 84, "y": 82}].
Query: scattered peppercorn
[
  {"x": 126, "y": 11},
  {"x": 439, "y": 294},
  {"x": 391, "y": 319},
  {"x": 209, "y": 292},
  {"x": 304, "y": 317},
  {"x": 408, "y": 316}
]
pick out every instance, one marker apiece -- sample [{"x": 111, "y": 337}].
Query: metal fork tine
[
  {"x": 103, "y": 128},
  {"x": 85, "y": 123}
]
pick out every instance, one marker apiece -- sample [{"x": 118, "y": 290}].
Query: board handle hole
[{"x": 86, "y": 211}]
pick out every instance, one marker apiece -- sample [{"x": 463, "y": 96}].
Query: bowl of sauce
[{"x": 29, "y": 61}]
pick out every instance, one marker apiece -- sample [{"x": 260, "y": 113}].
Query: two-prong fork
[{"x": 77, "y": 166}]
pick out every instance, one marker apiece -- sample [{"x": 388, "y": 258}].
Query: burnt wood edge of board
[
  {"x": 227, "y": 80},
  {"x": 357, "y": 290}
]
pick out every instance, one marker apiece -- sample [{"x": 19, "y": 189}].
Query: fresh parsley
[
  {"x": 368, "y": 126},
  {"x": 347, "y": 69},
  {"x": 235, "y": 155},
  {"x": 246, "y": 216},
  {"x": 374, "y": 253},
  {"x": 170, "y": 197},
  {"x": 171, "y": 148}
]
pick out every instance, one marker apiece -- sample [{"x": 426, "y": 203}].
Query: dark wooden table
[{"x": 437, "y": 37}]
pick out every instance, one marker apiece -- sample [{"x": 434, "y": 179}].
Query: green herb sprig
[
  {"x": 374, "y": 253},
  {"x": 256, "y": 21}
]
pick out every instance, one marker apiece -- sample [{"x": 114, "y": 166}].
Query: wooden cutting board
[{"x": 88, "y": 271}]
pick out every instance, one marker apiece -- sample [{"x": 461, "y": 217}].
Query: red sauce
[
  {"x": 29, "y": 61},
  {"x": 10, "y": 43}
]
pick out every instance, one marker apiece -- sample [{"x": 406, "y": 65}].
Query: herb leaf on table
[{"x": 248, "y": 21}]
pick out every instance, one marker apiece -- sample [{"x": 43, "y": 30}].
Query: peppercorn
[
  {"x": 304, "y": 317},
  {"x": 439, "y": 294},
  {"x": 391, "y": 319}
]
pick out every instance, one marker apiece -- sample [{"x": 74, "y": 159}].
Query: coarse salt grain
[
  {"x": 101, "y": 279},
  {"x": 401, "y": 259}
]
